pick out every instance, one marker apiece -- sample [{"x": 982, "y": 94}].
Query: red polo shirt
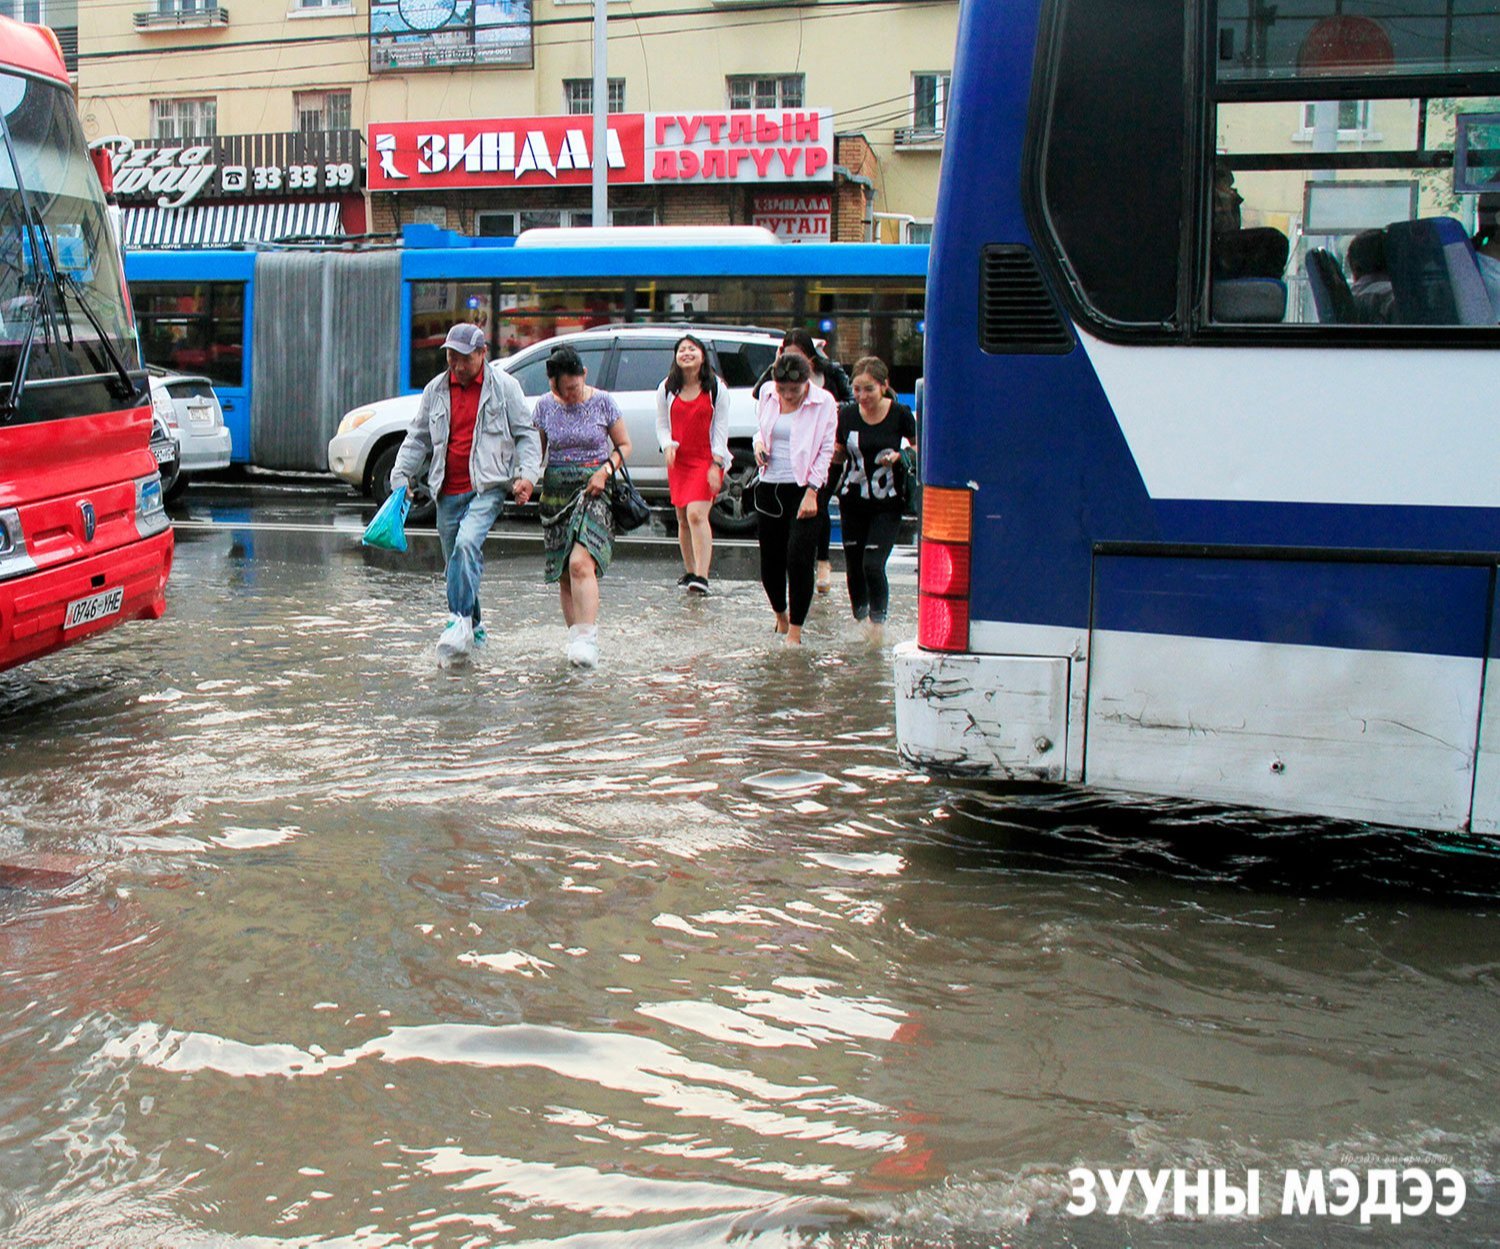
[{"x": 463, "y": 410}]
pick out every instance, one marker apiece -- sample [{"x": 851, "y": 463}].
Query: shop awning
[{"x": 222, "y": 225}]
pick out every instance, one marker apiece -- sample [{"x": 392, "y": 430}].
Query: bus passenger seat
[
  {"x": 1330, "y": 289},
  {"x": 1248, "y": 300},
  {"x": 1434, "y": 275}
]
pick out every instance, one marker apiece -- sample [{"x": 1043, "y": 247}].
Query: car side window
[
  {"x": 533, "y": 373},
  {"x": 642, "y": 365},
  {"x": 742, "y": 363}
]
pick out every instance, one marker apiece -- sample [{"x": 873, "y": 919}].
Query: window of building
[
  {"x": 185, "y": 119},
  {"x": 1351, "y": 118},
  {"x": 22, "y": 10},
  {"x": 169, "y": 8},
  {"x": 929, "y": 93},
  {"x": 322, "y": 110},
  {"x": 322, "y": 6},
  {"x": 493, "y": 225},
  {"x": 919, "y": 232},
  {"x": 504, "y": 225},
  {"x": 578, "y": 95},
  {"x": 766, "y": 91}
]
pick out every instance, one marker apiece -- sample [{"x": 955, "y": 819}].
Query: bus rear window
[{"x": 1353, "y": 38}]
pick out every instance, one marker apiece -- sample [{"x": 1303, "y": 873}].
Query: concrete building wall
[{"x": 857, "y": 63}]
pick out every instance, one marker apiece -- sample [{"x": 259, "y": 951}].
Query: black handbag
[{"x": 626, "y": 506}]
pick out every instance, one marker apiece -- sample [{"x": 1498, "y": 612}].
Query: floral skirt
[{"x": 569, "y": 516}]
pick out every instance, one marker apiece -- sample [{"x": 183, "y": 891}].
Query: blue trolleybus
[
  {"x": 1211, "y": 442},
  {"x": 293, "y": 339}
]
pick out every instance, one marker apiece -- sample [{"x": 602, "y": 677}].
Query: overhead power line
[{"x": 804, "y": 11}]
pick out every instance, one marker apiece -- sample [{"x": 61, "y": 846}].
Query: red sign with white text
[
  {"x": 761, "y": 146},
  {"x": 686, "y": 149},
  {"x": 510, "y": 151}
]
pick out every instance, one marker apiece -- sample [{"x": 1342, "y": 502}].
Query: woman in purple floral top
[{"x": 585, "y": 442}]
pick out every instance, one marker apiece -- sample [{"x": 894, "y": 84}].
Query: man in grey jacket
[{"x": 474, "y": 424}]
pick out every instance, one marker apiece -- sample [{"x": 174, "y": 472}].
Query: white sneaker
[
  {"x": 457, "y": 640},
  {"x": 583, "y": 646}
]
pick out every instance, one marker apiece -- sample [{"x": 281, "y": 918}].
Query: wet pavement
[{"x": 365, "y": 952}]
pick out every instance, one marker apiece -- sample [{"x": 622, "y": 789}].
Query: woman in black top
[{"x": 872, "y": 430}]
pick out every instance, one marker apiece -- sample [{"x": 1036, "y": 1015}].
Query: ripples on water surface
[{"x": 672, "y": 954}]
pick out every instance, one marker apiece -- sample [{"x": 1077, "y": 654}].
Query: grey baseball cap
[{"x": 465, "y": 338}]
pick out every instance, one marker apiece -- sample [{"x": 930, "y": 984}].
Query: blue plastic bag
[{"x": 388, "y": 530}]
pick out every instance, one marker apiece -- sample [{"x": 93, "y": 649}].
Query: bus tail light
[
  {"x": 944, "y": 570},
  {"x": 943, "y": 578},
  {"x": 942, "y": 623}
]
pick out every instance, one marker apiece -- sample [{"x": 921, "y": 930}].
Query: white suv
[{"x": 628, "y": 361}]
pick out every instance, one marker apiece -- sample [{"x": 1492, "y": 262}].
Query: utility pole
[{"x": 600, "y": 165}]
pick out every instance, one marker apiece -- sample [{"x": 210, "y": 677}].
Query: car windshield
[{"x": 58, "y": 258}]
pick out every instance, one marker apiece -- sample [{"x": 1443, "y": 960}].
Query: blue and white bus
[{"x": 1211, "y": 442}]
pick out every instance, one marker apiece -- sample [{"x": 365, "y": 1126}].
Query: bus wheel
[
  {"x": 423, "y": 510},
  {"x": 733, "y": 512}
]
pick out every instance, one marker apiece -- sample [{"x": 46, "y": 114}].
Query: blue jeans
[{"x": 463, "y": 523}]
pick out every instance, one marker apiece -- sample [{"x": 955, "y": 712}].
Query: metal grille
[{"x": 1017, "y": 314}]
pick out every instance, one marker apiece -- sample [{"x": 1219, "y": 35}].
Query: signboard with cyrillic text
[
  {"x": 795, "y": 218},
  {"x": 682, "y": 149}
]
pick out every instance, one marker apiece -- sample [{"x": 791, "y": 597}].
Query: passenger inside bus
[
  {"x": 1247, "y": 264},
  {"x": 1374, "y": 300}
]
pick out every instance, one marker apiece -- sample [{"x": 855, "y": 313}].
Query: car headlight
[
  {"x": 150, "y": 506},
  {"x": 353, "y": 420}
]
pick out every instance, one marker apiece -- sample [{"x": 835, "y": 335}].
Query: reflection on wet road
[{"x": 369, "y": 953}]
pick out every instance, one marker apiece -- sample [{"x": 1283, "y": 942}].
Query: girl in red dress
[{"x": 692, "y": 425}]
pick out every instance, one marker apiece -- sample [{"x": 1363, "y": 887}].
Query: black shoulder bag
[{"x": 626, "y": 506}]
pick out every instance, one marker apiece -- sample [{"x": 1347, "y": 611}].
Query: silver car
[
  {"x": 188, "y": 407},
  {"x": 628, "y": 361}
]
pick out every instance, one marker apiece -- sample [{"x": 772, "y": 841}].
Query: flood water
[{"x": 675, "y": 953}]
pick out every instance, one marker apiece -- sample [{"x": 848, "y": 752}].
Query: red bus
[{"x": 85, "y": 542}]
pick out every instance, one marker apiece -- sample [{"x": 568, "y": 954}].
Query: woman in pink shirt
[{"x": 796, "y": 422}]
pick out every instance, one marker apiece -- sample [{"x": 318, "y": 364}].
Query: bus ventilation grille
[{"x": 1017, "y": 314}]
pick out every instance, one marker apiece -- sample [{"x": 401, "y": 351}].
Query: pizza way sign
[{"x": 796, "y": 218}]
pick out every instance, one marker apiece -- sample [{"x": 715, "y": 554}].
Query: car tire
[
  {"x": 733, "y": 512},
  {"x": 423, "y": 510}
]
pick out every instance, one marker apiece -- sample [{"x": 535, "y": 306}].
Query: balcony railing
[
  {"x": 919, "y": 136},
  {"x": 181, "y": 19}
]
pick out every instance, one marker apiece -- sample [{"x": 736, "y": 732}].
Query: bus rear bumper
[
  {"x": 33, "y": 608},
  {"x": 996, "y": 716}
]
